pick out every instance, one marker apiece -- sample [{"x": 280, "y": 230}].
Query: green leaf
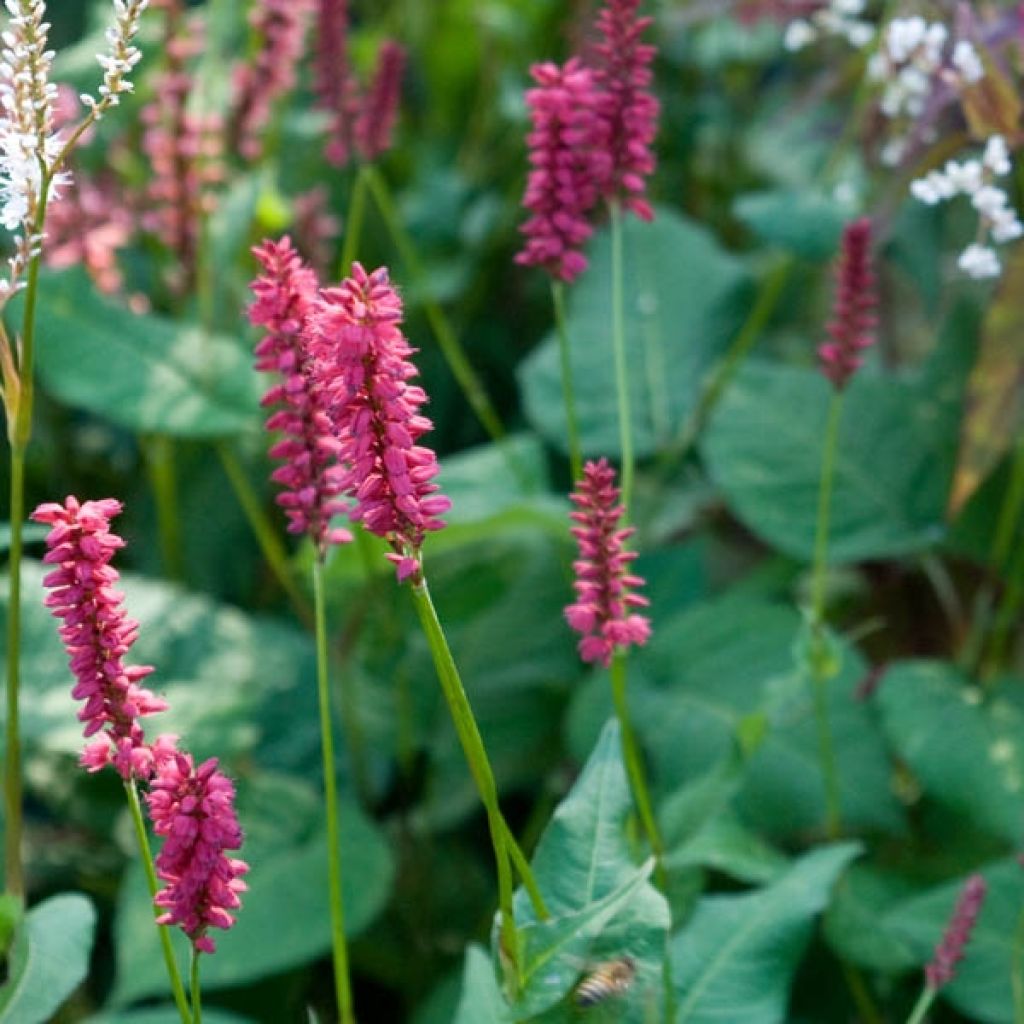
[
  {"x": 50, "y": 959},
  {"x": 284, "y": 920},
  {"x": 482, "y": 1001},
  {"x": 980, "y": 776},
  {"x": 165, "y": 1015},
  {"x": 686, "y": 298},
  {"x": 896, "y": 442},
  {"x": 143, "y": 372},
  {"x": 736, "y": 958},
  {"x": 804, "y": 222}
]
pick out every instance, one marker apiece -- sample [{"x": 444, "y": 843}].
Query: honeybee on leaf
[{"x": 606, "y": 980}]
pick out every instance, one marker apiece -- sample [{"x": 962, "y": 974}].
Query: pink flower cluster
[
  {"x": 604, "y": 585},
  {"x": 853, "y": 323},
  {"x": 363, "y": 123},
  {"x": 97, "y": 633},
  {"x": 362, "y": 361},
  {"x": 310, "y": 474},
  {"x": 950, "y": 950},
  {"x": 192, "y": 809},
  {"x": 281, "y": 28},
  {"x": 593, "y": 125}
]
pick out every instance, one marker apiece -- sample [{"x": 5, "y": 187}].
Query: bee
[{"x": 605, "y": 981}]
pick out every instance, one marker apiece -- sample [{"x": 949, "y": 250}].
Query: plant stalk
[
  {"x": 194, "y": 988},
  {"x": 174, "y": 976},
  {"x": 568, "y": 397},
  {"x": 353, "y": 224},
  {"x": 342, "y": 985},
  {"x": 158, "y": 452},
  {"x": 923, "y": 1005},
  {"x": 619, "y": 351},
  {"x": 1017, "y": 970}
]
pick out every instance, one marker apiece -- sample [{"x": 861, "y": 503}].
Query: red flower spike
[
  {"x": 193, "y": 810},
  {"x": 852, "y": 328},
  {"x": 310, "y": 475},
  {"x": 950, "y": 950},
  {"x": 98, "y": 634},
  {"x": 604, "y": 586},
  {"x": 627, "y": 108},
  {"x": 375, "y": 122},
  {"x": 568, "y": 167},
  {"x": 362, "y": 363}
]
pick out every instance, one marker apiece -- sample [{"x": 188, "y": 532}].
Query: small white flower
[
  {"x": 989, "y": 201},
  {"x": 799, "y": 33},
  {"x": 967, "y": 62},
  {"x": 932, "y": 189},
  {"x": 1006, "y": 227},
  {"x": 979, "y": 262},
  {"x": 997, "y": 156},
  {"x": 965, "y": 178}
]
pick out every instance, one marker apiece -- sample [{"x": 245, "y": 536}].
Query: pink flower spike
[
  {"x": 309, "y": 474},
  {"x": 193, "y": 810},
  {"x": 950, "y": 950},
  {"x": 568, "y": 167},
  {"x": 97, "y": 634},
  {"x": 337, "y": 90},
  {"x": 362, "y": 363},
  {"x": 626, "y": 106},
  {"x": 852, "y": 328},
  {"x": 379, "y": 111},
  {"x": 604, "y": 586}
]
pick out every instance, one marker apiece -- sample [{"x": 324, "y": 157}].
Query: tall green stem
[
  {"x": 159, "y": 456},
  {"x": 353, "y": 225},
  {"x": 568, "y": 397},
  {"x": 177, "y": 988},
  {"x": 1017, "y": 970},
  {"x": 483, "y": 776},
  {"x": 194, "y": 990},
  {"x": 822, "y": 666},
  {"x": 634, "y": 762},
  {"x": 342, "y": 985},
  {"x": 266, "y": 536},
  {"x": 619, "y": 350},
  {"x": 923, "y": 1005},
  {"x": 447, "y": 339},
  {"x": 1006, "y": 613}
]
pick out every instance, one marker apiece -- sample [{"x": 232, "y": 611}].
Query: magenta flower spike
[
  {"x": 309, "y": 474},
  {"x": 604, "y": 585},
  {"x": 950, "y": 950},
  {"x": 852, "y": 328},
  {"x": 193, "y": 810},
  {"x": 626, "y": 106},
  {"x": 568, "y": 167},
  {"x": 281, "y": 28},
  {"x": 336, "y": 87},
  {"x": 379, "y": 111},
  {"x": 362, "y": 361},
  {"x": 98, "y": 634}
]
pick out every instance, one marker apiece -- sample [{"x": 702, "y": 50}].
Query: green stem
[
  {"x": 177, "y": 988},
  {"x": 522, "y": 866},
  {"x": 353, "y": 223},
  {"x": 483, "y": 776},
  {"x": 1006, "y": 614},
  {"x": 342, "y": 984},
  {"x": 194, "y": 989},
  {"x": 158, "y": 453},
  {"x": 923, "y": 1005},
  {"x": 820, "y": 658},
  {"x": 869, "y": 1013},
  {"x": 1017, "y": 970},
  {"x": 634, "y": 763},
  {"x": 451, "y": 347},
  {"x": 619, "y": 351},
  {"x": 15, "y": 878},
  {"x": 571, "y": 421},
  {"x": 266, "y": 536},
  {"x": 711, "y": 390},
  {"x": 1011, "y": 509}
]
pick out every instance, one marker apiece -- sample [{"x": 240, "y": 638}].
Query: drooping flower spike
[
  {"x": 852, "y": 328},
  {"x": 604, "y": 585},
  {"x": 568, "y": 167},
  {"x": 626, "y": 106},
  {"x": 98, "y": 634},
  {"x": 362, "y": 362},
  {"x": 193, "y": 809},
  {"x": 310, "y": 475},
  {"x": 950, "y": 950}
]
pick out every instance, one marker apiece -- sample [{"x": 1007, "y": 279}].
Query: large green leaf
[
  {"x": 685, "y": 299},
  {"x": 285, "y": 917},
  {"x": 142, "y": 372},
  {"x": 50, "y": 958},
  {"x": 806, "y": 223},
  {"x": 165, "y": 1015},
  {"x": 980, "y": 775},
  {"x": 736, "y": 958},
  {"x": 482, "y": 1001},
  {"x": 897, "y": 441}
]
